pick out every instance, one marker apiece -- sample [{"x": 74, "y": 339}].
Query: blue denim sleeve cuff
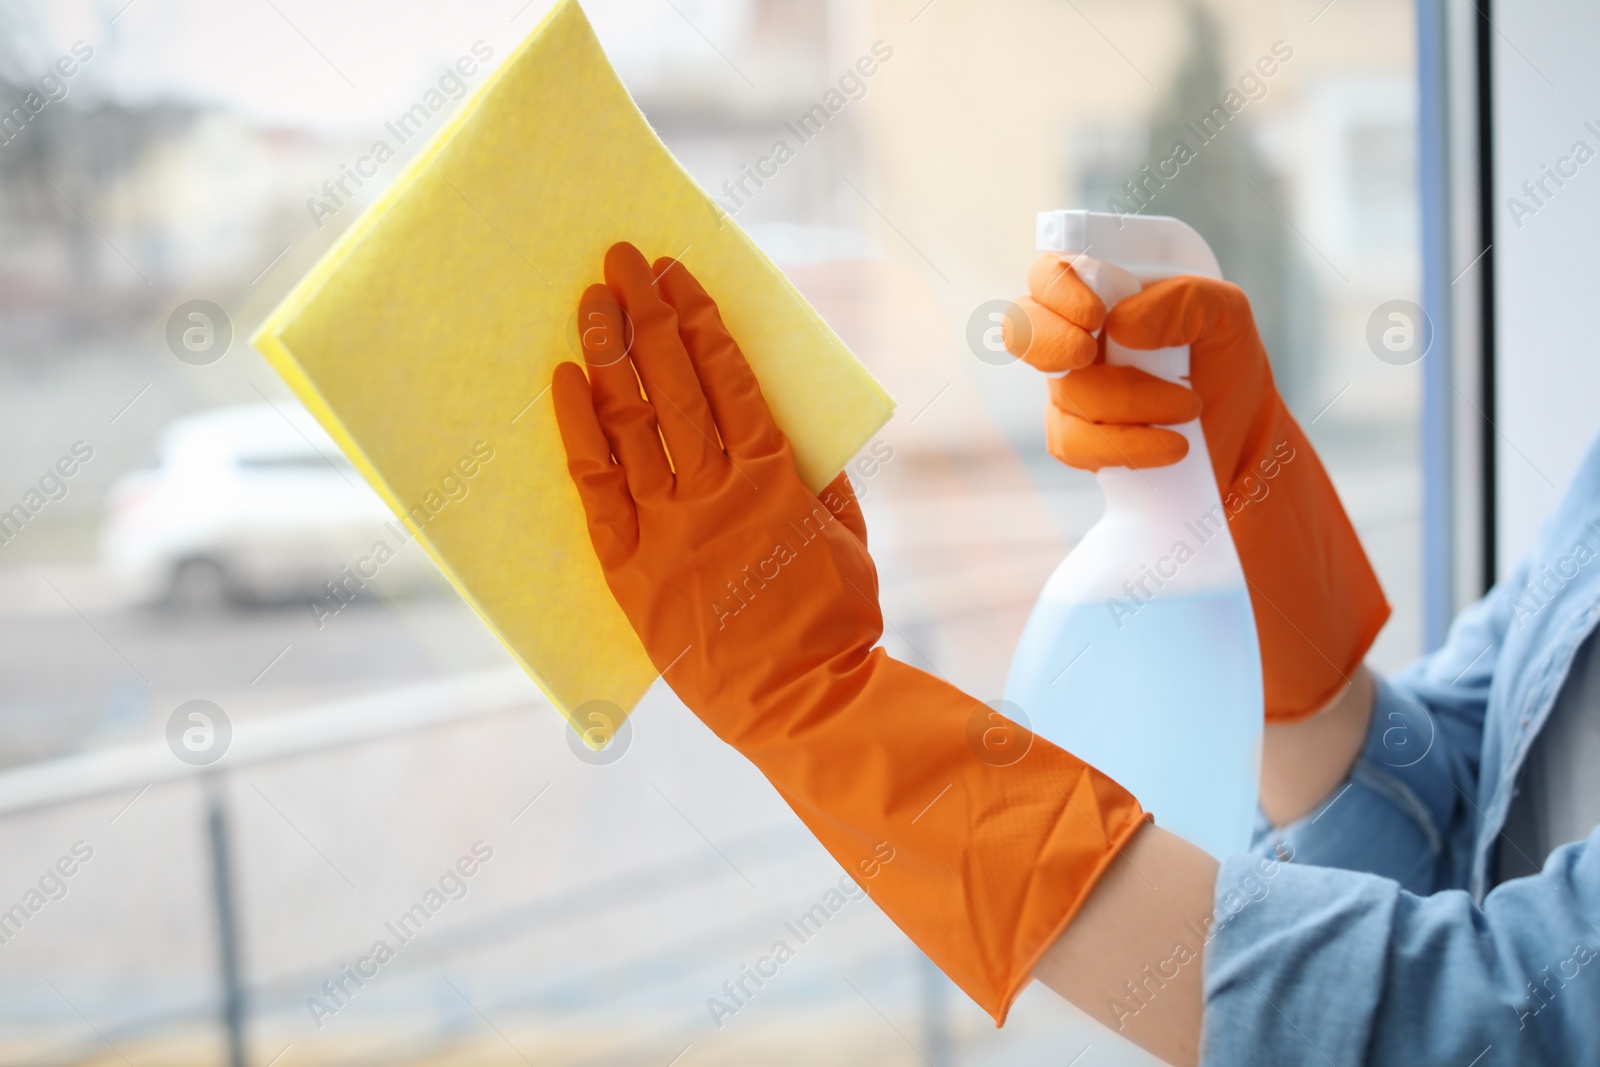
[
  {"x": 1407, "y": 747},
  {"x": 1390, "y": 817},
  {"x": 1295, "y": 964}
]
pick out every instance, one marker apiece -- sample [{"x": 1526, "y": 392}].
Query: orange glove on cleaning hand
[
  {"x": 1317, "y": 602},
  {"x": 758, "y": 601}
]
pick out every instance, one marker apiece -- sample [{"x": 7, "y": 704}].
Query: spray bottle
[{"x": 1140, "y": 655}]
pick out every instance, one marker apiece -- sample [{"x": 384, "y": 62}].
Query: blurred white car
[{"x": 252, "y": 503}]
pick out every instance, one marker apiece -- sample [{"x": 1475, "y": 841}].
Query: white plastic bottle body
[{"x": 1141, "y": 654}]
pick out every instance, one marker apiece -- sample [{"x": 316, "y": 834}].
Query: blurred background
[{"x": 383, "y": 742}]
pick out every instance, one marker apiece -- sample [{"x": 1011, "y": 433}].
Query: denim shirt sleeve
[
  {"x": 1341, "y": 956},
  {"x": 1402, "y": 812},
  {"x": 1379, "y": 942},
  {"x": 1316, "y": 965}
]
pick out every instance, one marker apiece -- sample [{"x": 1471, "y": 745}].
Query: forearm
[
  {"x": 1303, "y": 762},
  {"x": 1133, "y": 957}
]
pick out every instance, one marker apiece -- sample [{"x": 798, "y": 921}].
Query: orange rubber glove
[
  {"x": 1317, "y": 603},
  {"x": 761, "y": 610}
]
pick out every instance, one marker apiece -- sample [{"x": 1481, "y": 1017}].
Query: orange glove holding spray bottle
[{"x": 1316, "y": 600}]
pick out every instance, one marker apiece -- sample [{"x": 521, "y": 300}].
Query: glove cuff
[
  {"x": 995, "y": 846},
  {"x": 1317, "y": 601}
]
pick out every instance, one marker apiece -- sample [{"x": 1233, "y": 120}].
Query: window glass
[{"x": 408, "y": 857}]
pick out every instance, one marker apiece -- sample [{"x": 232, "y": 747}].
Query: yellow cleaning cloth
[{"x": 425, "y": 340}]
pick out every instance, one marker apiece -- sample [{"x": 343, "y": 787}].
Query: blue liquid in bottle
[{"x": 1159, "y": 703}]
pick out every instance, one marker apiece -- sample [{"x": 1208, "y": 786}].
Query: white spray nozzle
[{"x": 1147, "y": 246}]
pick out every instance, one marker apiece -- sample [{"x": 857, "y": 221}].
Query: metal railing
[{"x": 357, "y": 720}]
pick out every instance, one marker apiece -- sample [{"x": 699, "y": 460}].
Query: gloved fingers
[
  {"x": 669, "y": 378},
  {"x": 1052, "y": 342},
  {"x": 1127, "y": 395},
  {"x": 1053, "y": 283},
  {"x": 1204, "y": 313},
  {"x": 626, "y": 417},
  {"x": 839, "y": 497},
  {"x": 602, "y": 483},
  {"x": 730, "y": 386},
  {"x": 1090, "y": 446}
]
